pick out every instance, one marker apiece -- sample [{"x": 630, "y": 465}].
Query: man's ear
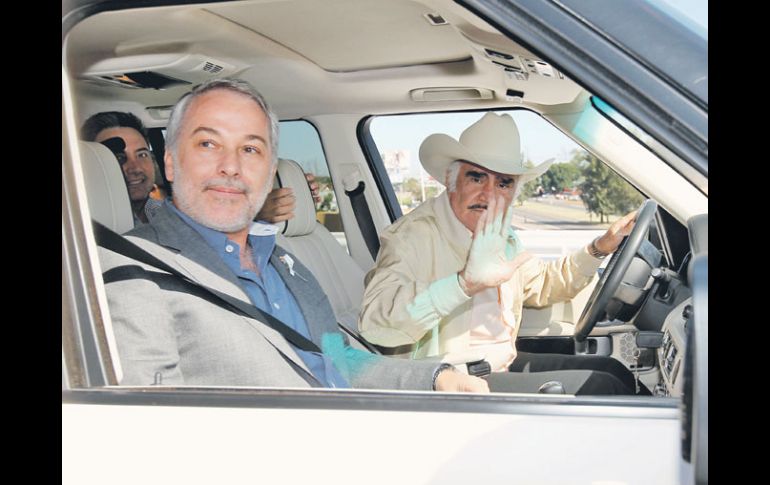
[
  {"x": 273, "y": 171},
  {"x": 168, "y": 162}
]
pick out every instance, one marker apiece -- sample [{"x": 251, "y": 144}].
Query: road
[
  {"x": 553, "y": 214},
  {"x": 549, "y": 227},
  {"x": 554, "y": 243}
]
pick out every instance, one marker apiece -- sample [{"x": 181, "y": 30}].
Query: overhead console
[
  {"x": 520, "y": 67},
  {"x": 156, "y": 71},
  {"x": 526, "y": 76}
]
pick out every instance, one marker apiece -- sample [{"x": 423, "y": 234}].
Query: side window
[
  {"x": 299, "y": 141},
  {"x": 560, "y": 211}
]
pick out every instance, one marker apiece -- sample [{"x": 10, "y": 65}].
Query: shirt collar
[
  {"x": 262, "y": 241},
  {"x": 456, "y": 233}
]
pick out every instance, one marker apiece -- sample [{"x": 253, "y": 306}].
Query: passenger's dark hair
[{"x": 111, "y": 119}]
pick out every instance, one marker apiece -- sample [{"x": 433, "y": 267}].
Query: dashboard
[{"x": 670, "y": 354}]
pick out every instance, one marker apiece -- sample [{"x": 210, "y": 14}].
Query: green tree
[
  {"x": 431, "y": 192},
  {"x": 326, "y": 203},
  {"x": 529, "y": 189},
  {"x": 603, "y": 191},
  {"x": 623, "y": 196},
  {"x": 323, "y": 181},
  {"x": 561, "y": 176},
  {"x": 412, "y": 186},
  {"x": 404, "y": 198}
]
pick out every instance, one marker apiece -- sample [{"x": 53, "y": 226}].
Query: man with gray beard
[{"x": 222, "y": 156}]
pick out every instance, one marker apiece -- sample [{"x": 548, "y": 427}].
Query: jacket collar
[
  {"x": 299, "y": 284},
  {"x": 196, "y": 259}
]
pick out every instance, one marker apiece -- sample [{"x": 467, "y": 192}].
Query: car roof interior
[{"x": 310, "y": 58}]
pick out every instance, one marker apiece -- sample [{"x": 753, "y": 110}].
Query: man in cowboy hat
[{"x": 450, "y": 277}]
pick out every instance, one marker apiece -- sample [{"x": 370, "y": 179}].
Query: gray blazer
[{"x": 164, "y": 327}]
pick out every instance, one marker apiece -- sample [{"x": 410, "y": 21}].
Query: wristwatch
[
  {"x": 594, "y": 251},
  {"x": 438, "y": 371}
]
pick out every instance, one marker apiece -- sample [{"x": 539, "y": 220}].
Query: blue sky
[{"x": 539, "y": 140}]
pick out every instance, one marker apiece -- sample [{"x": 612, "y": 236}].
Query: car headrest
[
  {"x": 290, "y": 174},
  {"x": 105, "y": 187}
]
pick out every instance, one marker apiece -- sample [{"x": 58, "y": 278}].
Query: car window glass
[
  {"x": 558, "y": 212},
  {"x": 299, "y": 141}
]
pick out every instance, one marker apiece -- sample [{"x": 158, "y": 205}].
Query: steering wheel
[{"x": 616, "y": 268}]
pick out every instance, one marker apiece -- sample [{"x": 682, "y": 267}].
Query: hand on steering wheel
[{"x": 616, "y": 268}]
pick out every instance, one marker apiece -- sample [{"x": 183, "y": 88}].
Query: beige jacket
[{"x": 412, "y": 295}]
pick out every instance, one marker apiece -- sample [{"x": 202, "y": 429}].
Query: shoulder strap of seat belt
[
  {"x": 364, "y": 218},
  {"x": 109, "y": 239}
]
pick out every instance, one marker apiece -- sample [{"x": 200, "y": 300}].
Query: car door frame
[{"x": 88, "y": 373}]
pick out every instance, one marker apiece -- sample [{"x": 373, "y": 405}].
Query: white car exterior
[{"x": 122, "y": 435}]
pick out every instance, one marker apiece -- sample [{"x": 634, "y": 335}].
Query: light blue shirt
[{"x": 268, "y": 292}]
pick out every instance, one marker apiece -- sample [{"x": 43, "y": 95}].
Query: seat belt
[
  {"x": 364, "y": 218},
  {"x": 111, "y": 240},
  {"x": 358, "y": 338}
]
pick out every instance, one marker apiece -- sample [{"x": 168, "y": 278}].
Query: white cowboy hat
[{"x": 492, "y": 142}]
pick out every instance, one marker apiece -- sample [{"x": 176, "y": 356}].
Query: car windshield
[
  {"x": 565, "y": 198},
  {"x": 677, "y": 24}
]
